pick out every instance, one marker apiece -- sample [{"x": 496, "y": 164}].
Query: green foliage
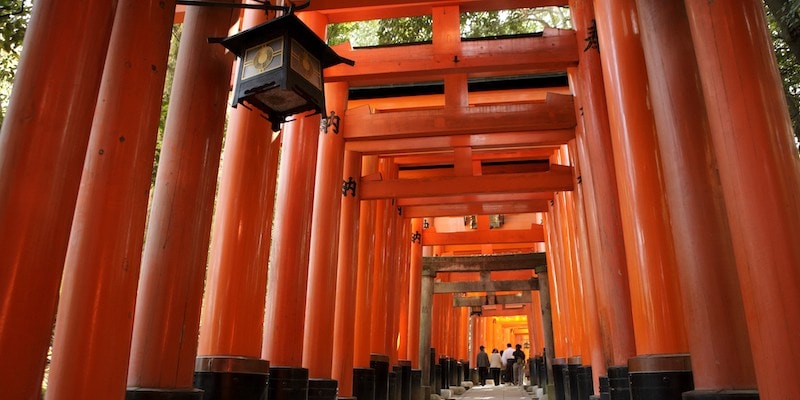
[
  {"x": 473, "y": 25},
  {"x": 381, "y": 32},
  {"x": 14, "y": 16},
  {"x": 516, "y": 21},
  {"x": 405, "y": 30},
  {"x": 173, "y": 57},
  {"x": 784, "y": 26}
]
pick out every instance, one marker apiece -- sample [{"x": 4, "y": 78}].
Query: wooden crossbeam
[
  {"x": 498, "y": 262},
  {"x": 502, "y": 310},
  {"x": 492, "y": 236},
  {"x": 487, "y": 208},
  {"x": 486, "y": 286},
  {"x": 559, "y": 178},
  {"x": 388, "y": 146},
  {"x": 556, "y": 51},
  {"x": 557, "y": 113},
  {"x": 477, "y": 198},
  {"x": 477, "y": 301}
]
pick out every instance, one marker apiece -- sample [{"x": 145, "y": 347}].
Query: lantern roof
[{"x": 279, "y": 26}]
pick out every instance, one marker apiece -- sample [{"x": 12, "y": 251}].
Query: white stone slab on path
[{"x": 491, "y": 392}]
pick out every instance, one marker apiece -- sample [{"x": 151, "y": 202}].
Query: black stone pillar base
[
  {"x": 417, "y": 391},
  {"x": 405, "y": 379},
  {"x": 560, "y": 371},
  {"x": 380, "y": 363},
  {"x": 364, "y": 383},
  {"x": 230, "y": 377},
  {"x": 721, "y": 395},
  {"x": 584, "y": 385},
  {"x": 322, "y": 389},
  {"x": 394, "y": 385},
  {"x": 619, "y": 383},
  {"x": 444, "y": 376},
  {"x": 436, "y": 372},
  {"x": 288, "y": 383},
  {"x": 455, "y": 372},
  {"x": 571, "y": 378},
  {"x": 604, "y": 389},
  {"x": 660, "y": 376},
  {"x": 136, "y": 393}
]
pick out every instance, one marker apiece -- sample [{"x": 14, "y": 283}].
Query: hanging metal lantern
[{"x": 280, "y": 68}]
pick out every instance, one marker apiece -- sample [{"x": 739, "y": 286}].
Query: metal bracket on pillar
[
  {"x": 349, "y": 185},
  {"x": 332, "y": 120},
  {"x": 416, "y": 237},
  {"x": 579, "y": 179},
  {"x": 400, "y": 211}
]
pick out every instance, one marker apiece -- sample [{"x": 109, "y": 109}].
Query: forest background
[{"x": 783, "y": 17}]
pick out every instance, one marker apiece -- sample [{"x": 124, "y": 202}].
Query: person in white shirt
[
  {"x": 495, "y": 364},
  {"x": 508, "y": 363}
]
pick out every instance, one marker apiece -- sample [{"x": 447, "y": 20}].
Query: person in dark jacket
[
  {"x": 519, "y": 364},
  {"x": 483, "y": 366}
]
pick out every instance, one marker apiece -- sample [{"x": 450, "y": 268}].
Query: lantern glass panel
[
  {"x": 306, "y": 65},
  {"x": 262, "y": 58}
]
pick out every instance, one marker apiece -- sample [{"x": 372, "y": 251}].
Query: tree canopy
[{"x": 14, "y": 16}]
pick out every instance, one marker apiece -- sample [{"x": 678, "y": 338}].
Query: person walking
[
  {"x": 508, "y": 363},
  {"x": 519, "y": 365},
  {"x": 495, "y": 363},
  {"x": 482, "y": 361}
]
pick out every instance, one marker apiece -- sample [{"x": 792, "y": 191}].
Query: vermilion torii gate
[{"x": 661, "y": 180}]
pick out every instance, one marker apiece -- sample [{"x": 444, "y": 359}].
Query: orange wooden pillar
[
  {"x": 52, "y": 103},
  {"x": 366, "y": 257},
  {"x": 287, "y": 281},
  {"x": 176, "y": 247},
  {"x": 464, "y": 333},
  {"x": 601, "y": 200},
  {"x": 384, "y": 217},
  {"x": 558, "y": 283},
  {"x": 403, "y": 297},
  {"x": 390, "y": 275},
  {"x": 655, "y": 296},
  {"x": 715, "y": 320},
  {"x": 346, "y": 277},
  {"x": 237, "y": 277},
  {"x": 328, "y": 194},
  {"x": 552, "y": 237},
  {"x": 760, "y": 175},
  {"x": 102, "y": 264},
  {"x": 414, "y": 292},
  {"x": 572, "y": 267},
  {"x": 593, "y": 344}
]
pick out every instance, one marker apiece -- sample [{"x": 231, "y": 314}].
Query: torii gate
[{"x": 484, "y": 264}]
